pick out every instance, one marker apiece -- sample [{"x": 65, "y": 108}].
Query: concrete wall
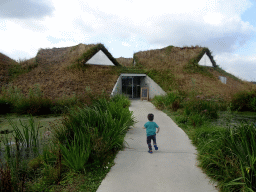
[
  {"x": 118, "y": 86},
  {"x": 205, "y": 61},
  {"x": 223, "y": 79},
  {"x": 100, "y": 59},
  {"x": 154, "y": 88}
]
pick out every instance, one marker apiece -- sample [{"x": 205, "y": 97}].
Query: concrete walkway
[{"x": 170, "y": 169}]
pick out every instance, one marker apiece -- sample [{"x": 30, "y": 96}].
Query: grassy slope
[
  {"x": 172, "y": 62},
  {"x": 56, "y": 79},
  {"x": 5, "y": 64},
  {"x": 166, "y": 66}
]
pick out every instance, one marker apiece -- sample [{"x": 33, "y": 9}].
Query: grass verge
[{"x": 226, "y": 155}]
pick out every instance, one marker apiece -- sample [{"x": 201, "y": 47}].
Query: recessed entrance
[{"x": 131, "y": 86}]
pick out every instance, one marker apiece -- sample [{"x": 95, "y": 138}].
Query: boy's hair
[{"x": 150, "y": 117}]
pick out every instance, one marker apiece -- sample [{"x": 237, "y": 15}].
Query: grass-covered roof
[{"x": 92, "y": 51}]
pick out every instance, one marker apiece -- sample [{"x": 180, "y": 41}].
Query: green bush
[
  {"x": 170, "y": 101},
  {"x": 106, "y": 122},
  {"x": 196, "y": 119},
  {"x": 35, "y": 106},
  {"x": 182, "y": 119},
  {"x": 252, "y": 104},
  {"x": 121, "y": 98},
  {"x": 241, "y": 141},
  {"x": 244, "y": 101},
  {"x": 202, "y": 107}
]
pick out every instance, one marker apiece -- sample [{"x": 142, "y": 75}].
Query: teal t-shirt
[{"x": 151, "y": 128}]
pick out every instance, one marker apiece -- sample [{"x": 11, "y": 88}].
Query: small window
[{"x": 223, "y": 79}]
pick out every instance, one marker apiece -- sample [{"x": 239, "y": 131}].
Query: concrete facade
[
  {"x": 145, "y": 81},
  {"x": 100, "y": 59},
  {"x": 205, "y": 61}
]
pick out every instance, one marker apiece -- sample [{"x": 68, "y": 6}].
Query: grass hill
[
  {"x": 175, "y": 68},
  {"x": 127, "y": 62},
  {"x": 61, "y": 71},
  {"x": 6, "y": 63}
]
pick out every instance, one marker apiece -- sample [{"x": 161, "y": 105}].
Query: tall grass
[
  {"x": 28, "y": 137},
  {"x": 76, "y": 152},
  {"x": 170, "y": 101},
  {"x": 244, "y": 101},
  {"x": 87, "y": 138},
  {"x": 105, "y": 121},
  {"x": 241, "y": 141}
]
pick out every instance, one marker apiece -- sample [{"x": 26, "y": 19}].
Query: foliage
[
  {"x": 165, "y": 78},
  {"x": 207, "y": 108},
  {"x": 122, "y": 99},
  {"x": 244, "y": 101},
  {"x": 193, "y": 67},
  {"x": 29, "y": 135},
  {"x": 241, "y": 141},
  {"x": 170, "y": 101},
  {"x": 76, "y": 151},
  {"x": 105, "y": 121},
  {"x": 225, "y": 154}
]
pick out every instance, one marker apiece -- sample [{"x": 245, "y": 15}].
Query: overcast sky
[{"x": 226, "y": 27}]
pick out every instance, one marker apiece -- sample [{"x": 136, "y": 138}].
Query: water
[{"x": 235, "y": 119}]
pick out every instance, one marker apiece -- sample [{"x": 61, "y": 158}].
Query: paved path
[{"x": 170, "y": 169}]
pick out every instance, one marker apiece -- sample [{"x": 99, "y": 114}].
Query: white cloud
[
  {"x": 240, "y": 66},
  {"x": 126, "y": 44},
  {"x": 131, "y": 26}
]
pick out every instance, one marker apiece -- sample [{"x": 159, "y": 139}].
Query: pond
[
  {"x": 7, "y": 132},
  {"x": 225, "y": 119}
]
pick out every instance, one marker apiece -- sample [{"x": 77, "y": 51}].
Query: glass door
[{"x": 131, "y": 86}]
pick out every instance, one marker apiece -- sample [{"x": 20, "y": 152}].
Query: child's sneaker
[
  {"x": 150, "y": 151},
  {"x": 156, "y": 148}
]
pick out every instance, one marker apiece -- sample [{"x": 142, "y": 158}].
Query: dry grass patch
[{"x": 127, "y": 62}]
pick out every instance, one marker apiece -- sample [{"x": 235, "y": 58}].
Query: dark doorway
[{"x": 131, "y": 86}]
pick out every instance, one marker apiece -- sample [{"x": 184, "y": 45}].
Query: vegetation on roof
[
  {"x": 91, "y": 52},
  {"x": 177, "y": 69},
  {"x": 208, "y": 53}
]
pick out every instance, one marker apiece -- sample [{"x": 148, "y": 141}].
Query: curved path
[{"x": 170, "y": 169}]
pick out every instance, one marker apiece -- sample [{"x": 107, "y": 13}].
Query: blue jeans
[{"x": 153, "y": 137}]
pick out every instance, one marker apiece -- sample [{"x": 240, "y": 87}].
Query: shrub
[
  {"x": 34, "y": 106},
  {"x": 207, "y": 108},
  {"x": 241, "y": 142},
  {"x": 170, "y": 101},
  {"x": 244, "y": 101},
  {"x": 123, "y": 99},
  {"x": 106, "y": 122},
  {"x": 252, "y": 104}
]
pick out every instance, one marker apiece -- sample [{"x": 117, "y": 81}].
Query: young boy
[{"x": 150, "y": 127}]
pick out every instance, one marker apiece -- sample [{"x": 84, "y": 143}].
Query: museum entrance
[{"x": 131, "y": 86}]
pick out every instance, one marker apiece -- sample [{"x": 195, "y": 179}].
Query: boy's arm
[
  {"x": 158, "y": 128},
  {"x": 143, "y": 128}
]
